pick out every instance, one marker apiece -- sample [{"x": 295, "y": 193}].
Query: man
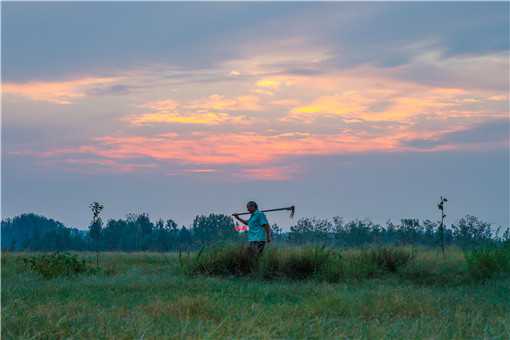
[{"x": 259, "y": 231}]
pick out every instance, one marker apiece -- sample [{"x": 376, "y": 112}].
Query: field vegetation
[
  {"x": 290, "y": 292},
  {"x": 323, "y": 278}
]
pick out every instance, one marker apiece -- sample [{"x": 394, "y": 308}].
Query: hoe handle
[{"x": 292, "y": 208}]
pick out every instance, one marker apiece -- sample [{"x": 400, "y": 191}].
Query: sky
[{"x": 360, "y": 110}]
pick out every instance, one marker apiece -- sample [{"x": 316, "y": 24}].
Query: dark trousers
[{"x": 257, "y": 247}]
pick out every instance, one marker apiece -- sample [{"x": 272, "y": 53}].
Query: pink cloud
[{"x": 64, "y": 92}]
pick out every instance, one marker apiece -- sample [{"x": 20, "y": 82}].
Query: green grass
[{"x": 147, "y": 295}]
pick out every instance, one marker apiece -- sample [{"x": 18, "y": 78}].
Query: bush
[
  {"x": 294, "y": 263},
  {"x": 390, "y": 259},
  {"x": 484, "y": 263},
  {"x": 221, "y": 260},
  {"x": 57, "y": 264},
  {"x": 298, "y": 263}
]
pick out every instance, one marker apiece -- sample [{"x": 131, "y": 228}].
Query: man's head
[{"x": 251, "y": 206}]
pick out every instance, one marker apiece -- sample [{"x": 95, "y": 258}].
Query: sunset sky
[{"x": 362, "y": 110}]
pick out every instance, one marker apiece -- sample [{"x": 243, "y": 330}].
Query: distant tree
[
  {"x": 430, "y": 229},
  {"x": 144, "y": 229},
  {"x": 213, "y": 228},
  {"x": 172, "y": 235},
  {"x": 409, "y": 230},
  {"x": 471, "y": 231},
  {"x": 311, "y": 230},
  {"x": 185, "y": 238},
  {"x": 277, "y": 232},
  {"x": 113, "y": 234},
  {"x": 38, "y": 233}
]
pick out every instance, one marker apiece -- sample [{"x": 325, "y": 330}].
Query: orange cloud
[
  {"x": 209, "y": 111},
  {"x": 348, "y": 103},
  {"x": 56, "y": 92},
  {"x": 269, "y": 83},
  {"x": 272, "y": 173},
  {"x": 191, "y": 171},
  {"x": 104, "y": 165},
  {"x": 208, "y": 118},
  {"x": 162, "y": 105},
  {"x": 232, "y": 148},
  {"x": 221, "y": 103},
  {"x": 398, "y": 104}
]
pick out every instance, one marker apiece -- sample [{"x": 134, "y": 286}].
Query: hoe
[{"x": 292, "y": 209}]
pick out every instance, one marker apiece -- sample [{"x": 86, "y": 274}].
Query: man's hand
[{"x": 236, "y": 216}]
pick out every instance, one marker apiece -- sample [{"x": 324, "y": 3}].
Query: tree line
[{"x": 136, "y": 232}]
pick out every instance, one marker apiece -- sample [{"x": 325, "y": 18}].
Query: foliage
[
  {"x": 390, "y": 259},
  {"x": 486, "y": 262},
  {"x": 38, "y": 233},
  {"x": 57, "y": 264},
  {"x": 470, "y": 232},
  {"x": 150, "y": 298},
  {"x": 213, "y": 228},
  {"x": 293, "y": 263},
  {"x": 298, "y": 263},
  {"x": 310, "y": 230},
  {"x": 137, "y": 232},
  {"x": 222, "y": 260}
]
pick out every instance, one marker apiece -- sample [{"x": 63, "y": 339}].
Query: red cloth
[{"x": 241, "y": 228}]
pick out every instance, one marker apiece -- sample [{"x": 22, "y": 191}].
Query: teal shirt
[{"x": 256, "y": 232}]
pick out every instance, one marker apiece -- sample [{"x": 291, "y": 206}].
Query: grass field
[{"x": 147, "y": 295}]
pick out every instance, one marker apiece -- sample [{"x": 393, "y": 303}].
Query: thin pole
[{"x": 441, "y": 207}]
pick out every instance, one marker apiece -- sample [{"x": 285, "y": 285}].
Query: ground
[{"x": 146, "y": 295}]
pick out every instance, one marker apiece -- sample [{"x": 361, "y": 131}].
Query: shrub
[
  {"x": 57, "y": 264},
  {"x": 359, "y": 265},
  {"x": 297, "y": 263},
  {"x": 221, "y": 260},
  {"x": 390, "y": 259},
  {"x": 294, "y": 263},
  {"x": 486, "y": 262}
]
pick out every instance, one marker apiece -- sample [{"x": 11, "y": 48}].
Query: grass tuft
[
  {"x": 485, "y": 263},
  {"x": 298, "y": 263},
  {"x": 391, "y": 259},
  {"x": 221, "y": 260},
  {"x": 57, "y": 264}
]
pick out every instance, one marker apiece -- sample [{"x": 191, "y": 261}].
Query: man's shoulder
[{"x": 262, "y": 216}]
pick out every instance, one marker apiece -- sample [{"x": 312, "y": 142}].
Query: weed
[
  {"x": 57, "y": 264},
  {"x": 486, "y": 262},
  {"x": 294, "y": 263},
  {"x": 390, "y": 259},
  {"x": 221, "y": 260}
]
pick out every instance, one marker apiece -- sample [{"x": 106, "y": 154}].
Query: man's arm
[
  {"x": 236, "y": 216},
  {"x": 267, "y": 228}
]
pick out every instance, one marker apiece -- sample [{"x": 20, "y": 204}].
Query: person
[{"x": 259, "y": 231}]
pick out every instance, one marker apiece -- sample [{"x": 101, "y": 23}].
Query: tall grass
[
  {"x": 298, "y": 263},
  {"x": 227, "y": 259},
  {"x": 485, "y": 263},
  {"x": 149, "y": 297},
  {"x": 334, "y": 265}
]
